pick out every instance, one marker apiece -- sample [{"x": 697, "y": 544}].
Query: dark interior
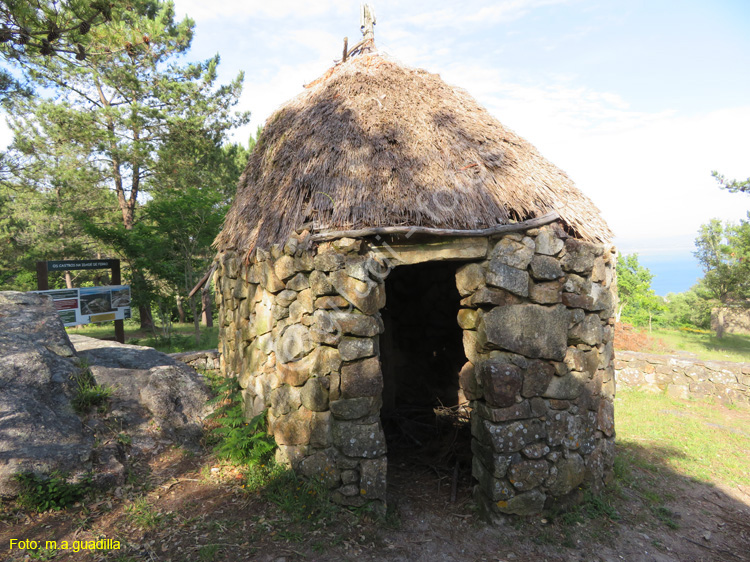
[{"x": 421, "y": 352}]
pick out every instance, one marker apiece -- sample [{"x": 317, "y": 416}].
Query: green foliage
[
  {"x": 87, "y": 394},
  {"x": 238, "y": 440},
  {"x": 143, "y": 515},
  {"x": 723, "y": 250},
  {"x": 52, "y": 492},
  {"x": 687, "y": 309},
  {"x": 102, "y": 132},
  {"x": 638, "y": 302},
  {"x": 732, "y": 186}
]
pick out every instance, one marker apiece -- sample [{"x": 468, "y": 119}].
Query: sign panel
[
  {"x": 69, "y": 265},
  {"x": 91, "y": 304}
]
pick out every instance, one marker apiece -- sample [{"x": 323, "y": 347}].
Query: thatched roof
[{"x": 372, "y": 143}]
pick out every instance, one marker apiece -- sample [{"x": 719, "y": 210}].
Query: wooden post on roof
[{"x": 367, "y": 22}]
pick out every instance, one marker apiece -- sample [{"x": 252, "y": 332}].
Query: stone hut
[{"x": 392, "y": 243}]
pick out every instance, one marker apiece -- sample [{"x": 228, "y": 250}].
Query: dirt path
[{"x": 178, "y": 507}]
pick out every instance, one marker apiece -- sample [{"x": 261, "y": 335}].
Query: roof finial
[{"x": 367, "y": 22}]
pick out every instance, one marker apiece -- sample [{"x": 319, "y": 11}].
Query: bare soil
[{"x": 198, "y": 510}]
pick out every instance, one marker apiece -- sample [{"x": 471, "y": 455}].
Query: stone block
[
  {"x": 354, "y": 408},
  {"x": 589, "y": 331},
  {"x": 293, "y": 428},
  {"x": 567, "y": 474},
  {"x": 528, "y": 474},
  {"x": 606, "y": 417},
  {"x": 501, "y": 382},
  {"x": 577, "y": 284},
  {"x": 314, "y": 395},
  {"x": 535, "y": 450},
  {"x": 372, "y": 482},
  {"x": 332, "y": 303},
  {"x": 359, "y": 440},
  {"x": 321, "y": 465},
  {"x": 546, "y": 293},
  {"x": 547, "y": 243},
  {"x": 469, "y": 278},
  {"x": 299, "y": 282},
  {"x": 497, "y": 489},
  {"x": 528, "y": 503},
  {"x": 529, "y": 329},
  {"x": 347, "y": 245},
  {"x": 506, "y": 277},
  {"x": 545, "y": 267},
  {"x": 362, "y": 325},
  {"x": 580, "y": 256},
  {"x": 489, "y": 296},
  {"x": 320, "y": 430},
  {"x": 512, "y": 253},
  {"x": 467, "y": 382},
  {"x": 536, "y": 378},
  {"x": 440, "y": 249},
  {"x": 468, "y": 318},
  {"x": 367, "y": 296},
  {"x": 269, "y": 279},
  {"x": 518, "y": 411},
  {"x": 295, "y": 343},
  {"x": 284, "y": 268},
  {"x": 362, "y": 378},
  {"x": 329, "y": 261},
  {"x": 357, "y": 348},
  {"x": 497, "y": 465},
  {"x": 567, "y": 387},
  {"x": 511, "y": 437},
  {"x": 320, "y": 285}
]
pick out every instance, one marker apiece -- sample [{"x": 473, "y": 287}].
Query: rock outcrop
[
  {"x": 39, "y": 431},
  {"x": 155, "y": 400}
]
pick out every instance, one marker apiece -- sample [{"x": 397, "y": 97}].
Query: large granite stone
[{"x": 529, "y": 329}]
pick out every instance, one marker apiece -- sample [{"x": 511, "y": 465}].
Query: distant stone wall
[
  {"x": 684, "y": 378},
  {"x": 206, "y": 360}
]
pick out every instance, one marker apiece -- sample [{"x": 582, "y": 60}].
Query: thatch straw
[{"x": 374, "y": 144}]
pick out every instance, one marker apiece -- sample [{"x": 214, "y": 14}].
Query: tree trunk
[
  {"x": 720, "y": 323},
  {"x": 196, "y": 320},
  {"x": 68, "y": 280},
  {"x": 207, "y": 313},
  {"x": 147, "y": 321},
  {"x": 180, "y": 310}
]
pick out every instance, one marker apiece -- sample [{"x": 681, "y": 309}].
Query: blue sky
[{"x": 636, "y": 100}]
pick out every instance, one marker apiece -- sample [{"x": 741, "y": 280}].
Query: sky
[{"x": 637, "y": 100}]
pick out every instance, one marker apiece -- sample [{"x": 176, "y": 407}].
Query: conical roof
[{"x": 372, "y": 143}]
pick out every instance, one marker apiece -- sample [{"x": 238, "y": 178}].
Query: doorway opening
[{"x": 421, "y": 350}]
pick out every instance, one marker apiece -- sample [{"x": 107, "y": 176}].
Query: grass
[
  {"x": 182, "y": 336},
  {"x": 698, "y": 440},
  {"x": 143, "y": 515},
  {"x": 732, "y": 347}
]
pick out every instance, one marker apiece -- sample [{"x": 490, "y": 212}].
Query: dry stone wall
[
  {"x": 300, "y": 329},
  {"x": 683, "y": 377}
]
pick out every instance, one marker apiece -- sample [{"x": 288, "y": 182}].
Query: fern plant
[
  {"x": 237, "y": 439},
  {"x": 53, "y": 492}
]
